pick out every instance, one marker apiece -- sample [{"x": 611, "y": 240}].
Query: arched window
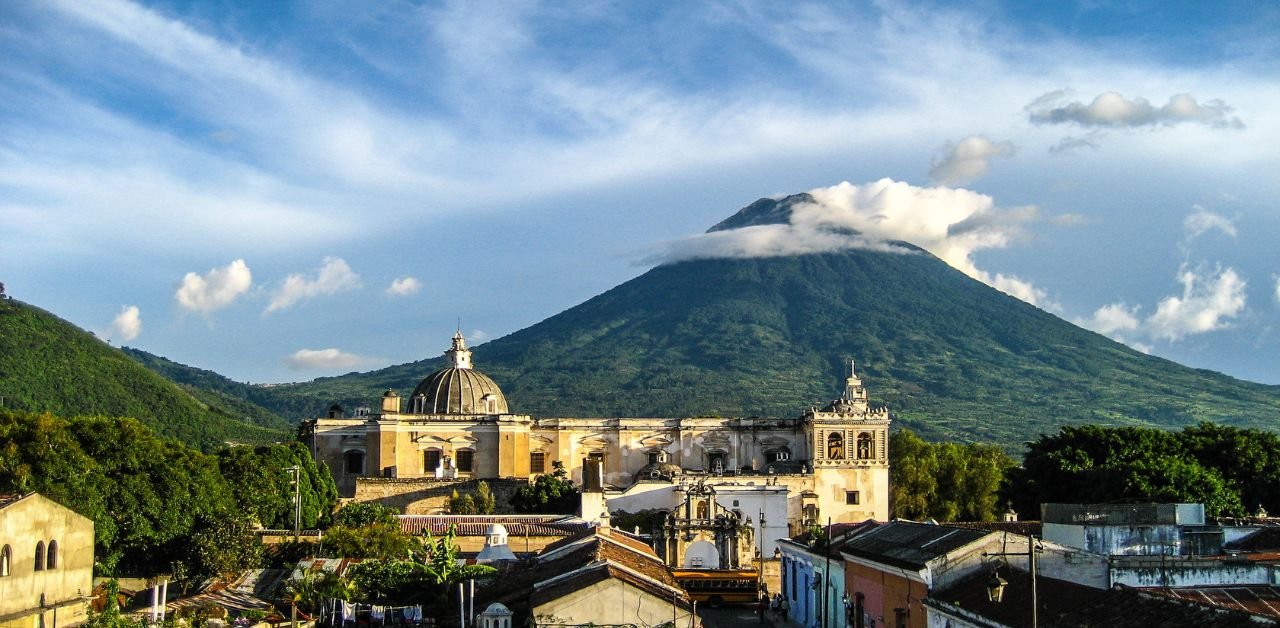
[
  {"x": 781, "y": 454},
  {"x": 835, "y": 446},
  {"x": 52, "y": 560},
  {"x": 704, "y": 510},
  {"x": 466, "y": 460},
  {"x": 354, "y": 462},
  {"x": 866, "y": 448},
  {"x": 6, "y": 558},
  {"x": 40, "y": 556}
]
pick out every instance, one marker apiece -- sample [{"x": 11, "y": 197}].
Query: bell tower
[{"x": 850, "y": 440}]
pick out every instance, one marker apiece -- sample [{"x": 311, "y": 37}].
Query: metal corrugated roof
[{"x": 909, "y": 545}]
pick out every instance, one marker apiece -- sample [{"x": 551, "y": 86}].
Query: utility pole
[{"x": 296, "y": 472}]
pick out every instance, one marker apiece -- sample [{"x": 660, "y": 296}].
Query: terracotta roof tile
[{"x": 1067, "y": 604}]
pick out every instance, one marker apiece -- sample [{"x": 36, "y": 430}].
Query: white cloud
[
  {"x": 404, "y": 286},
  {"x": 478, "y": 336},
  {"x": 326, "y": 359},
  {"x": 951, "y": 223},
  {"x": 1203, "y": 220},
  {"x": 216, "y": 289},
  {"x": 967, "y": 160},
  {"x": 1114, "y": 319},
  {"x": 334, "y": 276},
  {"x": 127, "y": 325},
  {"x": 1112, "y": 110},
  {"x": 1205, "y": 304},
  {"x": 1021, "y": 289},
  {"x": 1208, "y": 302}
]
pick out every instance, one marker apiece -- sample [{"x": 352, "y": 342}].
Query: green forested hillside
[
  {"x": 50, "y": 365},
  {"x": 952, "y": 357},
  {"x": 212, "y": 389}
]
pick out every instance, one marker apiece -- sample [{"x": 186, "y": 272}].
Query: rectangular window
[
  {"x": 465, "y": 459},
  {"x": 430, "y": 460},
  {"x": 851, "y": 498},
  {"x": 537, "y": 462}
]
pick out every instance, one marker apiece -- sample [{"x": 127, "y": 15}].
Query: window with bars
[{"x": 537, "y": 462}]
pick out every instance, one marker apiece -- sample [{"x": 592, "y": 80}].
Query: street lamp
[
  {"x": 296, "y": 473},
  {"x": 996, "y": 584}
]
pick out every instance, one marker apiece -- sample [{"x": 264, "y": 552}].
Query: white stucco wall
[{"x": 610, "y": 602}]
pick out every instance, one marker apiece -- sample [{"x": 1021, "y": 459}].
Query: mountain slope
[
  {"x": 212, "y": 389},
  {"x": 50, "y": 365},
  {"x": 951, "y": 356}
]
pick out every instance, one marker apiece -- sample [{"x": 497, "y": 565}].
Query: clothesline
[{"x": 342, "y": 613}]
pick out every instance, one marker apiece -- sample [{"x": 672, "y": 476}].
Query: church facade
[{"x": 829, "y": 463}]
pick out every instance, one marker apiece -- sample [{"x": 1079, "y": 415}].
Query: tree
[
  {"x": 461, "y": 504},
  {"x": 262, "y": 484},
  {"x": 481, "y": 502},
  {"x": 485, "y": 501},
  {"x": 945, "y": 481},
  {"x": 317, "y": 586},
  {"x": 551, "y": 493},
  {"x": 423, "y": 578},
  {"x": 1094, "y": 464},
  {"x": 224, "y": 549},
  {"x": 360, "y": 514}
]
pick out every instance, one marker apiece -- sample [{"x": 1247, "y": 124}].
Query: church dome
[{"x": 458, "y": 389}]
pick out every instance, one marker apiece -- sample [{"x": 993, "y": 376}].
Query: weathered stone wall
[
  {"x": 1172, "y": 571},
  {"x": 429, "y": 496}
]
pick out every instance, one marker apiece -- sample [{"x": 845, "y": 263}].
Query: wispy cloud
[
  {"x": 214, "y": 290},
  {"x": 326, "y": 359},
  {"x": 1202, "y": 220},
  {"x": 404, "y": 286},
  {"x": 1113, "y": 110},
  {"x": 967, "y": 160},
  {"x": 334, "y": 276},
  {"x": 127, "y": 325}
]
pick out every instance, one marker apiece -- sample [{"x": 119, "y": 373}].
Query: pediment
[
  {"x": 597, "y": 440},
  {"x": 656, "y": 441},
  {"x": 770, "y": 442},
  {"x": 715, "y": 440}
]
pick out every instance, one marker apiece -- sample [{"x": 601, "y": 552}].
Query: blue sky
[{"x": 280, "y": 191}]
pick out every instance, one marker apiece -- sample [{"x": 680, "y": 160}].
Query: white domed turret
[{"x": 495, "y": 546}]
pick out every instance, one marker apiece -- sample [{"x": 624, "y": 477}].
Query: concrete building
[
  {"x": 891, "y": 569},
  {"x": 46, "y": 563},
  {"x": 829, "y": 463},
  {"x": 601, "y": 577}
]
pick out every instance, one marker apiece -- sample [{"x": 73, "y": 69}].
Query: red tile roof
[
  {"x": 478, "y": 525},
  {"x": 1255, "y": 599}
]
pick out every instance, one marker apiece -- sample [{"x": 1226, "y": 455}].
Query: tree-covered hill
[
  {"x": 211, "y": 388},
  {"x": 50, "y": 365},
  {"x": 952, "y": 357}
]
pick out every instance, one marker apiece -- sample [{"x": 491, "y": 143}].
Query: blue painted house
[{"x": 813, "y": 574}]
